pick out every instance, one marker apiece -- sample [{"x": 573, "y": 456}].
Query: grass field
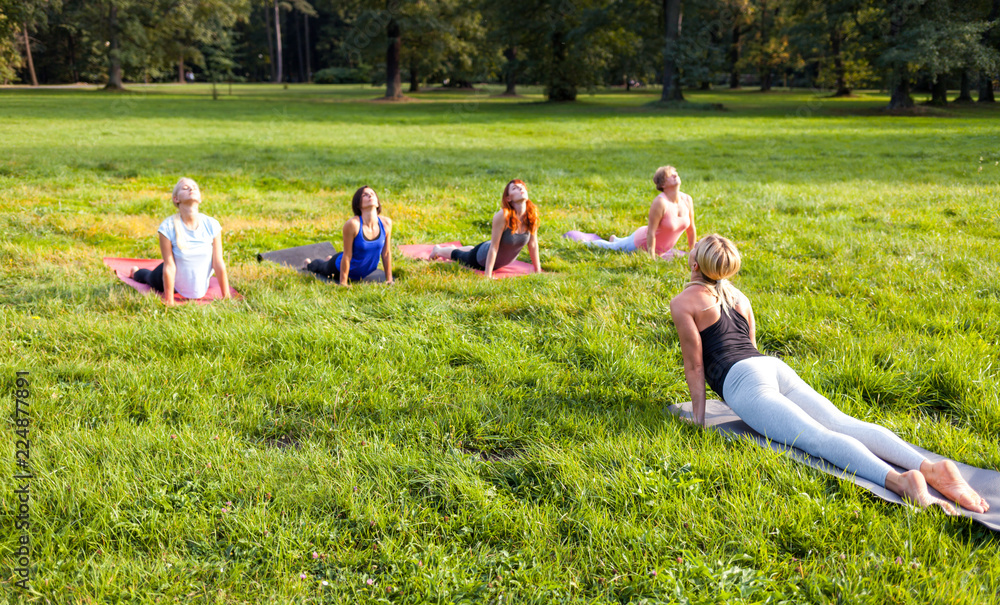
[{"x": 452, "y": 440}]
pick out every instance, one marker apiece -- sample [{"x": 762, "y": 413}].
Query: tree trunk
[
  {"x": 414, "y": 77},
  {"x": 965, "y": 90},
  {"x": 986, "y": 79},
  {"x": 734, "y": 59},
  {"x": 298, "y": 48},
  {"x": 901, "y": 98},
  {"x": 671, "y": 76},
  {"x": 393, "y": 78},
  {"x": 270, "y": 45},
  {"x": 839, "y": 70},
  {"x": 114, "y": 53},
  {"x": 510, "y": 74},
  {"x": 180, "y": 70},
  {"x": 31, "y": 62},
  {"x": 309, "y": 70},
  {"x": 763, "y": 68},
  {"x": 279, "y": 77},
  {"x": 72, "y": 58},
  {"x": 562, "y": 86},
  {"x": 939, "y": 91},
  {"x": 986, "y": 88}
]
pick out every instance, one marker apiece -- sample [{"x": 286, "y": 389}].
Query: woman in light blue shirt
[{"x": 191, "y": 245}]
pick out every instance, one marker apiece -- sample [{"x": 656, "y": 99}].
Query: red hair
[{"x": 510, "y": 217}]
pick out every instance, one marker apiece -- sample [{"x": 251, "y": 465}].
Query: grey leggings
[{"x": 771, "y": 398}]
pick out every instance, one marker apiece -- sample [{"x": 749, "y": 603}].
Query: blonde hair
[
  {"x": 718, "y": 260},
  {"x": 660, "y": 176},
  {"x": 177, "y": 188}
]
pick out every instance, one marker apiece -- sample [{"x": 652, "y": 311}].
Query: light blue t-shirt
[{"x": 192, "y": 253}]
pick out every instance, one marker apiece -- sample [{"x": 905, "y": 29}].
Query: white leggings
[
  {"x": 771, "y": 398},
  {"x": 624, "y": 244}
]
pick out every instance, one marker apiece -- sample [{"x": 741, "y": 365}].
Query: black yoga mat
[{"x": 720, "y": 417}]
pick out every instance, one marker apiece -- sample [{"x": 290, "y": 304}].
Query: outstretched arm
[
  {"x": 655, "y": 216},
  {"x": 351, "y": 228},
  {"x": 219, "y": 264},
  {"x": 694, "y": 369},
  {"x": 533, "y": 252},
  {"x": 387, "y": 250},
  {"x": 495, "y": 233},
  {"x": 169, "y": 269},
  {"x": 692, "y": 232}
]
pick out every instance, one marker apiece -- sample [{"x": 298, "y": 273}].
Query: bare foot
[
  {"x": 912, "y": 486},
  {"x": 306, "y": 265},
  {"x": 131, "y": 272},
  {"x": 613, "y": 239},
  {"x": 436, "y": 252},
  {"x": 945, "y": 478}
]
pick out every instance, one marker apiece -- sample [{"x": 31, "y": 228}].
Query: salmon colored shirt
[{"x": 669, "y": 230}]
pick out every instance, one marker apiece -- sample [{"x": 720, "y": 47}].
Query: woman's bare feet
[
  {"x": 912, "y": 486},
  {"x": 436, "y": 252},
  {"x": 945, "y": 478},
  {"x": 131, "y": 272}
]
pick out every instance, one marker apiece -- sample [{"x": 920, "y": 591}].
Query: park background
[{"x": 450, "y": 439}]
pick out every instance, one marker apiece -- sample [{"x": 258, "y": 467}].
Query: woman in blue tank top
[
  {"x": 717, "y": 333},
  {"x": 367, "y": 238}
]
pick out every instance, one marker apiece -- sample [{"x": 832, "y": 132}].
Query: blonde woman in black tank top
[{"x": 717, "y": 332}]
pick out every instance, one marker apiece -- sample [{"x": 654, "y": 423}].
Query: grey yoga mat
[
  {"x": 720, "y": 417},
  {"x": 296, "y": 257}
]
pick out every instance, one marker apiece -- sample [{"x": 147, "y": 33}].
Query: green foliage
[
  {"x": 344, "y": 75},
  {"x": 454, "y": 440}
]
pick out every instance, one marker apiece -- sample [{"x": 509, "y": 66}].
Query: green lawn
[{"x": 452, "y": 440}]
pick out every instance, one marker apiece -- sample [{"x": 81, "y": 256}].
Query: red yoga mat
[
  {"x": 122, "y": 267},
  {"x": 423, "y": 252}
]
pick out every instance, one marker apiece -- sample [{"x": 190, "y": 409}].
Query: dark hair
[{"x": 356, "y": 202}]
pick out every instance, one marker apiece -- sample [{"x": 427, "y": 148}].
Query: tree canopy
[{"x": 565, "y": 45}]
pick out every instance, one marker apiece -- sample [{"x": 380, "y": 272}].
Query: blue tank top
[{"x": 364, "y": 258}]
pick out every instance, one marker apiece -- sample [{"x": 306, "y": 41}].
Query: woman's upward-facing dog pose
[
  {"x": 670, "y": 215},
  {"x": 715, "y": 324},
  {"x": 515, "y": 225},
  {"x": 367, "y": 238},
  {"x": 191, "y": 246}
]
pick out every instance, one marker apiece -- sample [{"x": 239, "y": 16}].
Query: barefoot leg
[
  {"x": 912, "y": 486},
  {"x": 945, "y": 478},
  {"x": 131, "y": 272},
  {"x": 444, "y": 252}
]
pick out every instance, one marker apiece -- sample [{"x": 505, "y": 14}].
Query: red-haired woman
[{"x": 514, "y": 226}]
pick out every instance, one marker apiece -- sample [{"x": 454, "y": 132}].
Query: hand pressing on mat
[{"x": 717, "y": 331}]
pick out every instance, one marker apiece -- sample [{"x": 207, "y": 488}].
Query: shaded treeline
[{"x": 565, "y": 45}]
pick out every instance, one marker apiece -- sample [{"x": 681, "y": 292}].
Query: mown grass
[{"x": 453, "y": 440}]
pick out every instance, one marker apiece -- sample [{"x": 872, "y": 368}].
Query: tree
[
  {"x": 10, "y": 59},
  {"x": 671, "y": 75}
]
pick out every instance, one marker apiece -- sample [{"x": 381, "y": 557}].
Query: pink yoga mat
[
  {"x": 122, "y": 266},
  {"x": 580, "y": 236},
  {"x": 423, "y": 252}
]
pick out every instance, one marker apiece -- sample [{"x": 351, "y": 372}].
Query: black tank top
[{"x": 723, "y": 344}]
